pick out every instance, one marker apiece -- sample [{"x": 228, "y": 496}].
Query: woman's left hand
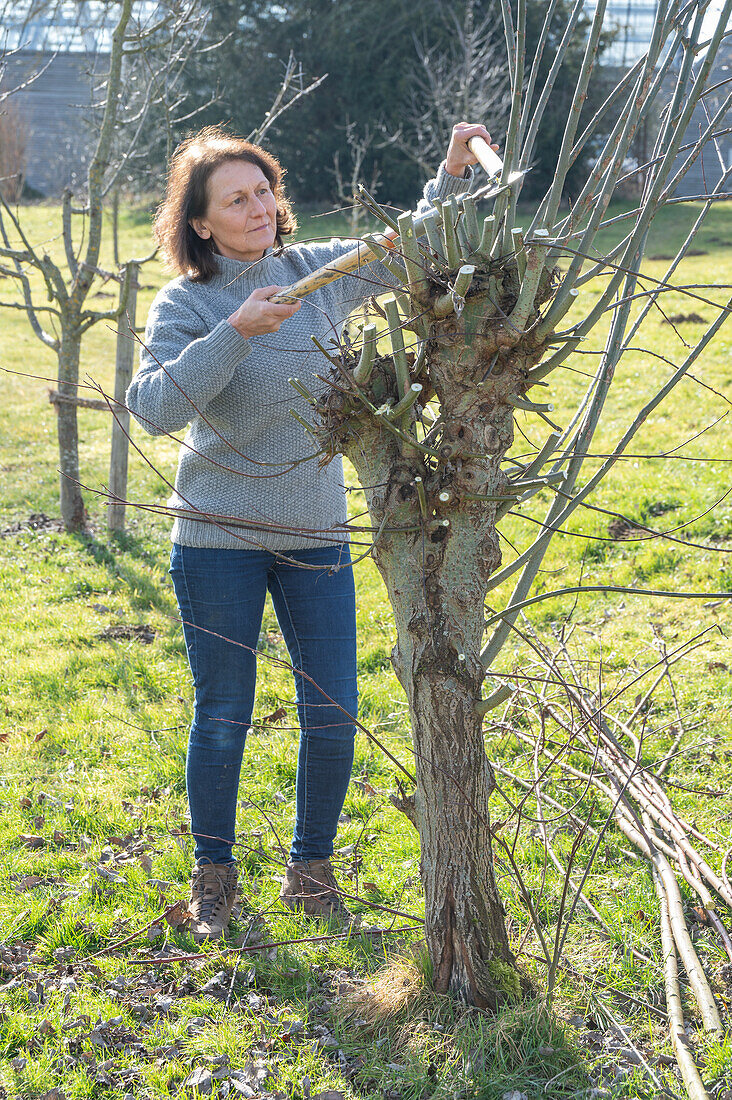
[{"x": 459, "y": 157}]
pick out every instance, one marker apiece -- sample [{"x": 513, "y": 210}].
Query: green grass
[{"x": 93, "y": 742}]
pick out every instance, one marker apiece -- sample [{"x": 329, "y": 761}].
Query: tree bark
[
  {"x": 73, "y": 513},
  {"x": 465, "y": 931},
  {"x": 436, "y": 564}
]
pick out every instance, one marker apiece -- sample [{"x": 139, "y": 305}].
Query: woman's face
[{"x": 241, "y": 217}]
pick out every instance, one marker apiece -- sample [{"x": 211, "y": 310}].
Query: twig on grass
[
  {"x": 679, "y": 1040},
  {"x": 642, "y": 811},
  {"x": 252, "y": 924},
  {"x": 621, "y": 993},
  {"x": 249, "y": 949},
  {"x": 128, "y": 939}
]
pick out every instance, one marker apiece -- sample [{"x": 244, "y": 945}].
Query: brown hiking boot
[
  {"x": 213, "y": 893},
  {"x": 312, "y": 888}
]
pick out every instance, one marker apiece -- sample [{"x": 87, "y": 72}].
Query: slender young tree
[
  {"x": 481, "y": 323},
  {"x": 149, "y": 45},
  {"x": 460, "y": 73},
  {"x": 139, "y": 31}
]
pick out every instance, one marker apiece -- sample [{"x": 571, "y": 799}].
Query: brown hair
[{"x": 186, "y": 197}]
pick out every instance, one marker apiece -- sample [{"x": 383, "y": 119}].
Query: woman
[{"x": 254, "y": 512}]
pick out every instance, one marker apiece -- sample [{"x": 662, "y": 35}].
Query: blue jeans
[{"x": 221, "y": 596}]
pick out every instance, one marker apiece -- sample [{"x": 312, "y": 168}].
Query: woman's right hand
[{"x": 256, "y": 315}]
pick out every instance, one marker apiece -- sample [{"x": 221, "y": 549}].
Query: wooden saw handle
[
  {"x": 362, "y": 253},
  {"x": 344, "y": 265},
  {"x": 488, "y": 158}
]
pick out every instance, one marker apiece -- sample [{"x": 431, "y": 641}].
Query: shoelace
[
  {"x": 328, "y": 881},
  {"x": 212, "y": 896}
]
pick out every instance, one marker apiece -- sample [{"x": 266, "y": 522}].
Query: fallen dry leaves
[{"x": 30, "y": 841}]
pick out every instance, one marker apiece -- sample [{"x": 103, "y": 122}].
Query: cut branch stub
[
  {"x": 452, "y": 252},
  {"x": 401, "y": 367},
  {"x": 454, "y": 300},
  {"x": 550, "y": 323},
  {"x": 517, "y": 237},
  {"x": 362, "y": 370},
  {"x": 405, "y": 404},
  {"x": 535, "y": 261},
  {"x": 487, "y": 237},
  {"x": 413, "y": 261},
  {"x": 431, "y": 226},
  {"x": 470, "y": 219}
]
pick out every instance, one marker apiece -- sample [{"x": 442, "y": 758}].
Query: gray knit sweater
[{"x": 245, "y": 458}]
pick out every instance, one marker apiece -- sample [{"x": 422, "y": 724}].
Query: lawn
[{"x": 95, "y": 705}]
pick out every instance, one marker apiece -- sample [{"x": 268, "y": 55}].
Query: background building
[
  {"x": 47, "y": 128},
  {"x": 633, "y": 22},
  {"x": 65, "y": 47}
]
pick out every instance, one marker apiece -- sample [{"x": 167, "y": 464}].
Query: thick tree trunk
[
  {"x": 438, "y": 608},
  {"x": 436, "y": 562},
  {"x": 465, "y": 930},
  {"x": 73, "y": 512}
]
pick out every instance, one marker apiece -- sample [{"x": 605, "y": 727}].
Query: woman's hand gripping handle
[{"x": 258, "y": 314}]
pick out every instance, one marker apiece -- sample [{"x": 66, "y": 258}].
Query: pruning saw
[{"x": 363, "y": 253}]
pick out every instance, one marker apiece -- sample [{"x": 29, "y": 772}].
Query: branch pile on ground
[{"x": 643, "y": 811}]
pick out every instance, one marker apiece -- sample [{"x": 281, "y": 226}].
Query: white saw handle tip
[{"x": 488, "y": 159}]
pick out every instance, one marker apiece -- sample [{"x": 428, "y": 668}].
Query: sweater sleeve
[
  {"x": 443, "y": 185},
  {"x": 373, "y": 278},
  {"x": 183, "y": 364}
]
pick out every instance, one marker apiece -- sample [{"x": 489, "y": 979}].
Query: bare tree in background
[
  {"x": 349, "y": 174},
  {"x": 149, "y": 45},
  {"x": 54, "y": 297},
  {"x": 469, "y": 79}
]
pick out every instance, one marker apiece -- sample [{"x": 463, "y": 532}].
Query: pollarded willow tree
[{"x": 476, "y": 333}]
